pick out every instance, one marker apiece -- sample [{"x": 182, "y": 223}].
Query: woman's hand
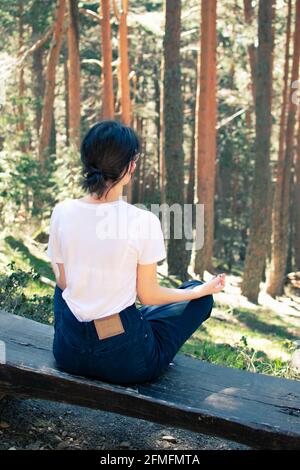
[
  {"x": 60, "y": 276},
  {"x": 215, "y": 285}
]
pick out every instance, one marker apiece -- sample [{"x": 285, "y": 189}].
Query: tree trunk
[
  {"x": 50, "y": 82},
  {"x": 261, "y": 196},
  {"x": 162, "y": 162},
  {"x": 281, "y": 215},
  {"x": 206, "y": 131},
  {"x": 157, "y": 99},
  {"x": 108, "y": 111},
  {"x": 249, "y": 16},
  {"x": 66, "y": 97},
  {"x": 52, "y": 142},
  {"x": 138, "y": 125},
  {"x": 190, "y": 190},
  {"x": 39, "y": 38},
  {"x": 124, "y": 83},
  {"x": 282, "y": 130},
  {"x": 21, "y": 84},
  {"x": 73, "y": 74},
  {"x": 142, "y": 187},
  {"x": 38, "y": 86},
  {"x": 173, "y": 136},
  {"x": 190, "y": 195},
  {"x": 297, "y": 202},
  {"x": 124, "y": 63}
]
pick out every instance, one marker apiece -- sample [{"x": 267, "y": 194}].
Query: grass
[
  {"x": 254, "y": 345},
  {"x": 255, "y": 339},
  {"x": 21, "y": 290},
  {"x": 28, "y": 258}
]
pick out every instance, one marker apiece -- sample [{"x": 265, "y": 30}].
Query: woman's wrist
[{"x": 199, "y": 290}]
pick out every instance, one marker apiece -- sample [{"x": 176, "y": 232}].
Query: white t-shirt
[{"x": 100, "y": 246}]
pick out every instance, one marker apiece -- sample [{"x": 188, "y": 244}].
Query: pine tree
[
  {"x": 206, "y": 130},
  {"x": 261, "y": 196},
  {"x": 281, "y": 217}
]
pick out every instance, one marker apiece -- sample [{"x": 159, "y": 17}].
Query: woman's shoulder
[
  {"x": 61, "y": 206},
  {"x": 141, "y": 211}
]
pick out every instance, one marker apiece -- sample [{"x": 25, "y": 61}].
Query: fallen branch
[
  {"x": 90, "y": 13},
  {"x": 37, "y": 45},
  {"x": 226, "y": 121},
  {"x": 92, "y": 61}
]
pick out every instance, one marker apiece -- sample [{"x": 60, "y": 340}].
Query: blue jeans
[{"x": 153, "y": 335}]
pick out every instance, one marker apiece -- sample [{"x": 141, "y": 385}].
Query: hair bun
[
  {"x": 94, "y": 180},
  {"x": 91, "y": 172}
]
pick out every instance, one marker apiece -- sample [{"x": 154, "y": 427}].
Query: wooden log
[{"x": 257, "y": 410}]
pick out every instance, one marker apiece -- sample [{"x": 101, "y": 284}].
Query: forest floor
[
  {"x": 260, "y": 338},
  {"x": 38, "y": 425}
]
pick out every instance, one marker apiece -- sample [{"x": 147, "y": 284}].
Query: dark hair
[{"x": 106, "y": 152}]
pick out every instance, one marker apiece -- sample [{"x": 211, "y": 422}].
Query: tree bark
[
  {"x": 249, "y": 16},
  {"x": 173, "y": 136},
  {"x": 50, "y": 82},
  {"x": 66, "y": 97},
  {"x": 261, "y": 196},
  {"x": 21, "y": 84},
  {"x": 190, "y": 190},
  {"x": 162, "y": 162},
  {"x": 124, "y": 63},
  {"x": 142, "y": 161},
  {"x": 138, "y": 172},
  {"x": 206, "y": 130},
  {"x": 297, "y": 202},
  {"x": 190, "y": 195},
  {"x": 39, "y": 39},
  {"x": 38, "y": 86},
  {"x": 157, "y": 120},
  {"x": 73, "y": 74},
  {"x": 123, "y": 74},
  {"x": 108, "y": 111},
  {"x": 281, "y": 217},
  {"x": 282, "y": 131}
]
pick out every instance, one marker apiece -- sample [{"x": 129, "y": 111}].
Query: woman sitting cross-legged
[{"x": 104, "y": 253}]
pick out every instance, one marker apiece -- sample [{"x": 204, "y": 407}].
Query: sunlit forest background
[{"x": 211, "y": 87}]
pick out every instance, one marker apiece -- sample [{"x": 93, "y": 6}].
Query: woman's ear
[{"x": 132, "y": 166}]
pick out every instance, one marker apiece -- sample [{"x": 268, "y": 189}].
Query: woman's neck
[{"x": 114, "y": 194}]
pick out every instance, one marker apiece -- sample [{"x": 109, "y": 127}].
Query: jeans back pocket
[{"x": 113, "y": 343}]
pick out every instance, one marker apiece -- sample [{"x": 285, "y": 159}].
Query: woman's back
[{"x": 100, "y": 246}]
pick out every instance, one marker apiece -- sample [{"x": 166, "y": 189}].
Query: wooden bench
[{"x": 257, "y": 410}]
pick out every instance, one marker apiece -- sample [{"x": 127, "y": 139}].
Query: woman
[{"x": 104, "y": 252}]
